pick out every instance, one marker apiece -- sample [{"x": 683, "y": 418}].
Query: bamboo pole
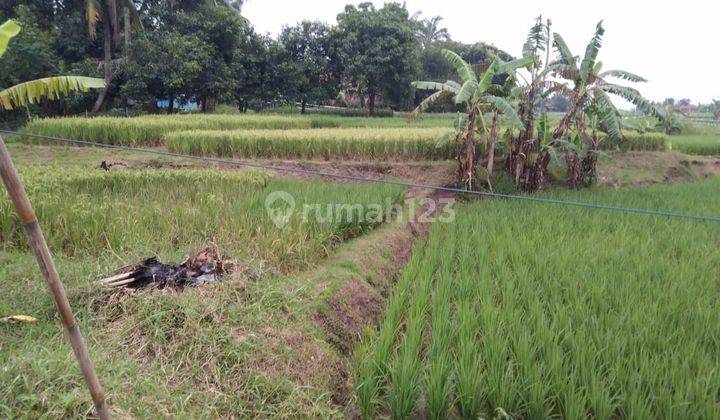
[{"x": 42, "y": 253}]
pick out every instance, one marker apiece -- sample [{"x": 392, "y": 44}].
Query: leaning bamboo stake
[{"x": 47, "y": 266}]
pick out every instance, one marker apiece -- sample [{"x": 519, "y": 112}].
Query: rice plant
[
  {"x": 327, "y": 143},
  {"x": 146, "y": 212},
  {"x": 637, "y": 141},
  {"x": 148, "y": 130},
  {"x": 585, "y": 314}
]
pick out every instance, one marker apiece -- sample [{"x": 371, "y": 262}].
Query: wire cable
[{"x": 552, "y": 201}]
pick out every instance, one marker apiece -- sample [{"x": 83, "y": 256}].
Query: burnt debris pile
[{"x": 206, "y": 265}]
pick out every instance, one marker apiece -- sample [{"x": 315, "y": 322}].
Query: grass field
[
  {"x": 543, "y": 311},
  {"x": 227, "y": 349},
  {"x": 134, "y": 213},
  {"x": 324, "y": 143},
  {"x": 705, "y": 142},
  {"x": 520, "y": 308},
  {"x": 149, "y": 129},
  {"x": 638, "y": 142}
]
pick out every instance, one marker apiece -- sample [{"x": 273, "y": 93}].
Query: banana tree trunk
[
  {"x": 588, "y": 166},
  {"x": 467, "y": 169},
  {"x": 492, "y": 139}
]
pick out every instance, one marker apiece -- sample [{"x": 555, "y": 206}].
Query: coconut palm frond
[{"x": 93, "y": 15}]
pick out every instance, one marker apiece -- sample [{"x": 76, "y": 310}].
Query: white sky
[{"x": 672, "y": 44}]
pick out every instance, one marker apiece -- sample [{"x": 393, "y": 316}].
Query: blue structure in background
[{"x": 178, "y": 105}]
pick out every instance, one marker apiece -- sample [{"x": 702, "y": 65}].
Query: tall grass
[
  {"x": 638, "y": 141},
  {"x": 326, "y": 143},
  {"x": 697, "y": 144},
  {"x": 141, "y": 213},
  {"x": 561, "y": 312},
  {"x": 149, "y": 129}
]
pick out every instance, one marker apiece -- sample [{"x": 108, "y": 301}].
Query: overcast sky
[{"x": 672, "y": 44}]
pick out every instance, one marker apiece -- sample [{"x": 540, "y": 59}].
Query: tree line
[{"x": 205, "y": 51}]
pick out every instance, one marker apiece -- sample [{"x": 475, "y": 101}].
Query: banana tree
[
  {"x": 479, "y": 95},
  {"x": 530, "y": 91},
  {"x": 33, "y": 91},
  {"x": 589, "y": 98}
]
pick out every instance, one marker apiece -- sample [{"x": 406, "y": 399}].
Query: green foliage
[
  {"x": 428, "y": 31},
  {"x": 31, "y": 55},
  {"x": 33, "y": 91},
  {"x": 547, "y": 326},
  {"x": 305, "y": 65},
  {"x": 378, "y": 50},
  {"x": 637, "y": 141},
  {"x": 323, "y": 143},
  {"x": 50, "y": 87},
  {"x": 8, "y": 30},
  {"x": 697, "y": 144},
  {"x": 587, "y": 65}
]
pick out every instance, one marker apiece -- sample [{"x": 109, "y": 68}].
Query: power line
[{"x": 528, "y": 198}]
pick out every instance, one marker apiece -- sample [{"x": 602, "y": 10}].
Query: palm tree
[
  {"x": 429, "y": 32},
  {"x": 589, "y": 100},
  {"x": 97, "y": 11},
  {"x": 479, "y": 95},
  {"x": 35, "y": 90}
]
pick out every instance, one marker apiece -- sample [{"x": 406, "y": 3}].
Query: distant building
[
  {"x": 685, "y": 108},
  {"x": 178, "y": 105}
]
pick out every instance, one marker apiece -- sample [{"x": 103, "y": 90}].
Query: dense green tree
[
  {"x": 165, "y": 65},
  {"x": 379, "y": 51},
  {"x": 255, "y": 71},
  {"x": 203, "y": 69},
  {"x": 557, "y": 103},
  {"x": 305, "y": 63},
  {"x": 33, "y": 91},
  {"x": 32, "y": 55}
]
